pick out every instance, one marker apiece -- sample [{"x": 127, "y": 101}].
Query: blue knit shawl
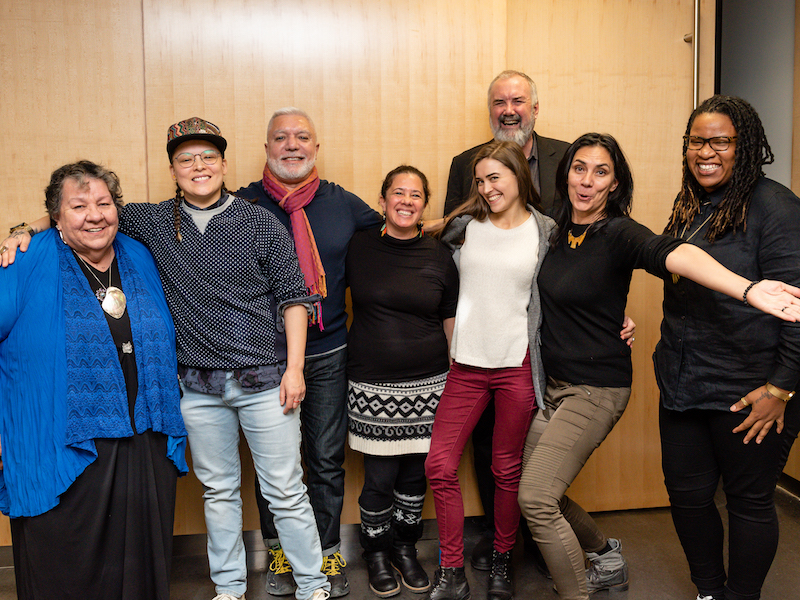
[{"x": 61, "y": 384}]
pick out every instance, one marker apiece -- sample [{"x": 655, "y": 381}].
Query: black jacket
[{"x": 460, "y": 180}]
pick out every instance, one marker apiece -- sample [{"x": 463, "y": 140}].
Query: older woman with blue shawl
[{"x": 90, "y": 423}]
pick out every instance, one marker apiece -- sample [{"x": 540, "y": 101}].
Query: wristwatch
[{"x": 24, "y": 226}]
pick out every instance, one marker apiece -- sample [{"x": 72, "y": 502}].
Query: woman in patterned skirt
[{"x": 404, "y": 287}]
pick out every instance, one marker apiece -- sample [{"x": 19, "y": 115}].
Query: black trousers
[{"x": 698, "y": 447}]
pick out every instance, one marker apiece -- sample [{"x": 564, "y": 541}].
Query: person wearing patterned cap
[{"x": 240, "y": 306}]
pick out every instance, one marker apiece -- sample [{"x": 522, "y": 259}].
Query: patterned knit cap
[{"x": 194, "y": 129}]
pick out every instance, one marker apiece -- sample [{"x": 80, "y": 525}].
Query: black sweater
[
  {"x": 584, "y": 292},
  {"x": 402, "y": 290}
]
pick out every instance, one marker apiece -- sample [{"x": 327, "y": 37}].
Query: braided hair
[
  {"x": 176, "y": 208},
  {"x": 752, "y": 153}
]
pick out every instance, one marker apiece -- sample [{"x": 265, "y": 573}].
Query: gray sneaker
[{"x": 608, "y": 571}]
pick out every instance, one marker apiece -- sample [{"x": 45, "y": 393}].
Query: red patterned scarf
[{"x": 293, "y": 203}]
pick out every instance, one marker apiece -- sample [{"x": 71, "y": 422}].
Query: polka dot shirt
[{"x": 223, "y": 286}]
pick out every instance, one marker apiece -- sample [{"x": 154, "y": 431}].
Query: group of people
[{"x": 510, "y": 325}]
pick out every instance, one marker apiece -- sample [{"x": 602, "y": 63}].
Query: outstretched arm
[{"x": 772, "y": 297}]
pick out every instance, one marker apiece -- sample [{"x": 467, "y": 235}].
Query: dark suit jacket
[{"x": 460, "y": 180}]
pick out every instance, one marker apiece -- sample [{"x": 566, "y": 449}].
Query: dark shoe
[
  {"x": 333, "y": 566},
  {"x": 413, "y": 576},
  {"x": 280, "y": 581},
  {"x": 381, "y": 577},
  {"x": 449, "y": 584},
  {"x": 481, "y": 558},
  {"x": 500, "y": 586}
]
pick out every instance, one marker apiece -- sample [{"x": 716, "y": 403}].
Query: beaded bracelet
[{"x": 749, "y": 287}]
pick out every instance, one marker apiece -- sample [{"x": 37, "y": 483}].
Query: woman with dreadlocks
[
  {"x": 726, "y": 372},
  {"x": 232, "y": 281}
]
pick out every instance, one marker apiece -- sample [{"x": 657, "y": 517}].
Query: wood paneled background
[{"x": 386, "y": 83}]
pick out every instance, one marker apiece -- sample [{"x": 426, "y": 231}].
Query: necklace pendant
[
  {"x": 573, "y": 241},
  {"x": 114, "y": 302},
  {"x": 100, "y": 294}
]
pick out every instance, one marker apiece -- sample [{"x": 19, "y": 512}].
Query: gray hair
[
  {"x": 508, "y": 74},
  {"x": 79, "y": 172},
  {"x": 291, "y": 110}
]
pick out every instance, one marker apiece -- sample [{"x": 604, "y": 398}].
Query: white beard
[
  {"x": 296, "y": 173},
  {"x": 520, "y": 135}
]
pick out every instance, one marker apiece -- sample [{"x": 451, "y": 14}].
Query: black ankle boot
[
  {"x": 481, "y": 558},
  {"x": 450, "y": 584},
  {"x": 500, "y": 587},
  {"x": 381, "y": 578},
  {"x": 413, "y": 576}
]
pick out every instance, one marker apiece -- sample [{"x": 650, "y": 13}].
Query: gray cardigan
[{"x": 453, "y": 238}]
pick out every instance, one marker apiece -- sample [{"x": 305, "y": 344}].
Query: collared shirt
[{"x": 714, "y": 349}]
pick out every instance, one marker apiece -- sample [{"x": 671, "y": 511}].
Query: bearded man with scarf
[{"x": 321, "y": 217}]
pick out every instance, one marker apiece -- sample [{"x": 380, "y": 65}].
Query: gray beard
[
  {"x": 288, "y": 174},
  {"x": 520, "y": 136}
]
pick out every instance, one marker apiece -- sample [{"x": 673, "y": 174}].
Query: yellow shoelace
[
  {"x": 332, "y": 564},
  {"x": 279, "y": 562}
]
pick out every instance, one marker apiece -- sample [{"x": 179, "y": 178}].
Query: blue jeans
[
  {"x": 324, "y": 423},
  {"x": 213, "y": 423}
]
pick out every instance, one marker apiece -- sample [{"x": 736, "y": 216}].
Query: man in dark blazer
[{"x": 513, "y": 107}]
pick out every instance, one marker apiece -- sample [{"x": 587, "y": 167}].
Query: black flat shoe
[
  {"x": 413, "y": 576},
  {"x": 381, "y": 578}
]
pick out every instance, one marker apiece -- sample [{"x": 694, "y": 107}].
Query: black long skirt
[{"x": 110, "y": 537}]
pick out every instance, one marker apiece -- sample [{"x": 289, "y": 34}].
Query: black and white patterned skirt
[{"x": 390, "y": 419}]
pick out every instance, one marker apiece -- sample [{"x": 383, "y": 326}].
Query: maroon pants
[{"x": 466, "y": 394}]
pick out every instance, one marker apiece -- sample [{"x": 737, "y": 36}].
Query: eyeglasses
[
  {"x": 186, "y": 159},
  {"x": 720, "y": 144}
]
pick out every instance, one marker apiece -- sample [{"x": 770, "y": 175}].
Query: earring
[
  {"x": 420, "y": 228},
  {"x": 383, "y": 228}
]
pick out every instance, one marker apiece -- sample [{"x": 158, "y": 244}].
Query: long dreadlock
[{"x": 752, "y": 153}]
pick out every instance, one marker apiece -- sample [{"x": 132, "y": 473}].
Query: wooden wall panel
[
  {"x": 385, "y": 83},
  {"x": 793, "y": 465},
  {"x": 72, "y": 88}
]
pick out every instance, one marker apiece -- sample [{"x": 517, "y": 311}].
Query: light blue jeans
[{"x": 213, "y": 422}]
